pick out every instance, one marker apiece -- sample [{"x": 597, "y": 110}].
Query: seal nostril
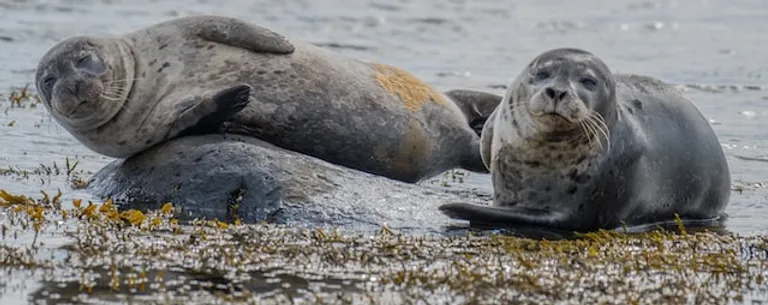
[
  {"x": 550, "y": 92},
  {"x": 555, "y": 94}
]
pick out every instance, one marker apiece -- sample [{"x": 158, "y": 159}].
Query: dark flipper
[
  {"x": 237, "y": 33},
  {"x": 477, "y": 106},
  {"x": 504, "y": 217},
  {"x": 208, "y": 115}
]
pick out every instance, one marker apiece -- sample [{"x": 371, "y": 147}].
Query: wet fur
[
  {"x": 303, "y": 98},
  {"x": 663, "y": 158}
]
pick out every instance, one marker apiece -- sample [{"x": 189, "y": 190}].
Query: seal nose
[
  {"x": 555, "y": 94},
  {"x": 75, "y": 87}
]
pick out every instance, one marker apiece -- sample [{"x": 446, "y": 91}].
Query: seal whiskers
[
  {"x": 658, "y": 161},
  {"x": 588, "y": 130},
  {"x": 595, "y": 131},
  {"x": 598, "y": 122},
  {"x": 115, "y": 94}
]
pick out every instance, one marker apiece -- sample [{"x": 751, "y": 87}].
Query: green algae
[{"x": 136, "y": 257}]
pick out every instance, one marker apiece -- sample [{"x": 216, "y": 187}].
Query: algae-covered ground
[{"x": 100, "y": 255}]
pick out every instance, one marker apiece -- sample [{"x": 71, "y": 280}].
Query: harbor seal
[
  {"x": 573, "y": 146},
  {"x": 121, "y": 95}
]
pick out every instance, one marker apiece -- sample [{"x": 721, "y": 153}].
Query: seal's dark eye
[
  {"x": 589, "y": 83},
  {"x": 541, "y": 75}
]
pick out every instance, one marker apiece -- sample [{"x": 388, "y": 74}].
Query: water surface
[{"x": 714, "y": 50}]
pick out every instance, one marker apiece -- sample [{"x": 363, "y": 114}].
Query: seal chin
[
  {"x": 72, "y": 111},
  {"x": 78, "y": 115}
]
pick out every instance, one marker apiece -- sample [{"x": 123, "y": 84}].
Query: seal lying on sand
[
  {"x": 122, "y": 95},
  {"x": 574, "y": 147},
  {"x": 225, "y": 176}
]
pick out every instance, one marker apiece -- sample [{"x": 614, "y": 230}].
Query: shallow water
[{"x": 713, "y": 49}]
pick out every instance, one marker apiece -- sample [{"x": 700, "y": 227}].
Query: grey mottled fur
[
  {"x": 303, "y": 98},
  {"x": 205, "y": 176},
  {"x": 663, "y": 157}
]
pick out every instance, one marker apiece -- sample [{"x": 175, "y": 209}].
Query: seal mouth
[
  {"x": 72, "y": 113},
  {"x": 550, "y": 115},
  {"x": 554, "y": 117}
]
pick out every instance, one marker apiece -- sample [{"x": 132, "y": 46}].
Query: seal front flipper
[
  {"x": 207, "y": 115},
  {"x": 503, "y": 217},
  {"x": 477, "y": 106},
  {"x": 238, "y": 33}
]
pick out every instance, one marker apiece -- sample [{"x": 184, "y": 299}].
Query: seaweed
[{"x": 152, "y": 254}]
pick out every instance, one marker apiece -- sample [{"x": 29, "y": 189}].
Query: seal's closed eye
[
  {"x": 47, "y": 87},
  {"x": 83, "y": 60},
  {"x": 91, "y": 64},
  {"x": 49, "y": 81}
]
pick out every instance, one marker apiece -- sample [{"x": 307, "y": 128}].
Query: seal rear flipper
[
  {"x": 238, "y": 33},
  {"x": 477, "y": 106},
  {"x": 503, "y": 217},
  {"x": 208, "y": 115}
]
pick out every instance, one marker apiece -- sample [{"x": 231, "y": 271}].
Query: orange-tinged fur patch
[{"x": 412, "y": 91}]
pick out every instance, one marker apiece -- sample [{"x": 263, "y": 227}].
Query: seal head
[
  {"x": 567, "y": 87},
  {"x": 81, "y": 86}
]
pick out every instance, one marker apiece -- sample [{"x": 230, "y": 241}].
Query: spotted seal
[
  {"x": 573, "y": 146},
  {"x": 121, "y": 95}
]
